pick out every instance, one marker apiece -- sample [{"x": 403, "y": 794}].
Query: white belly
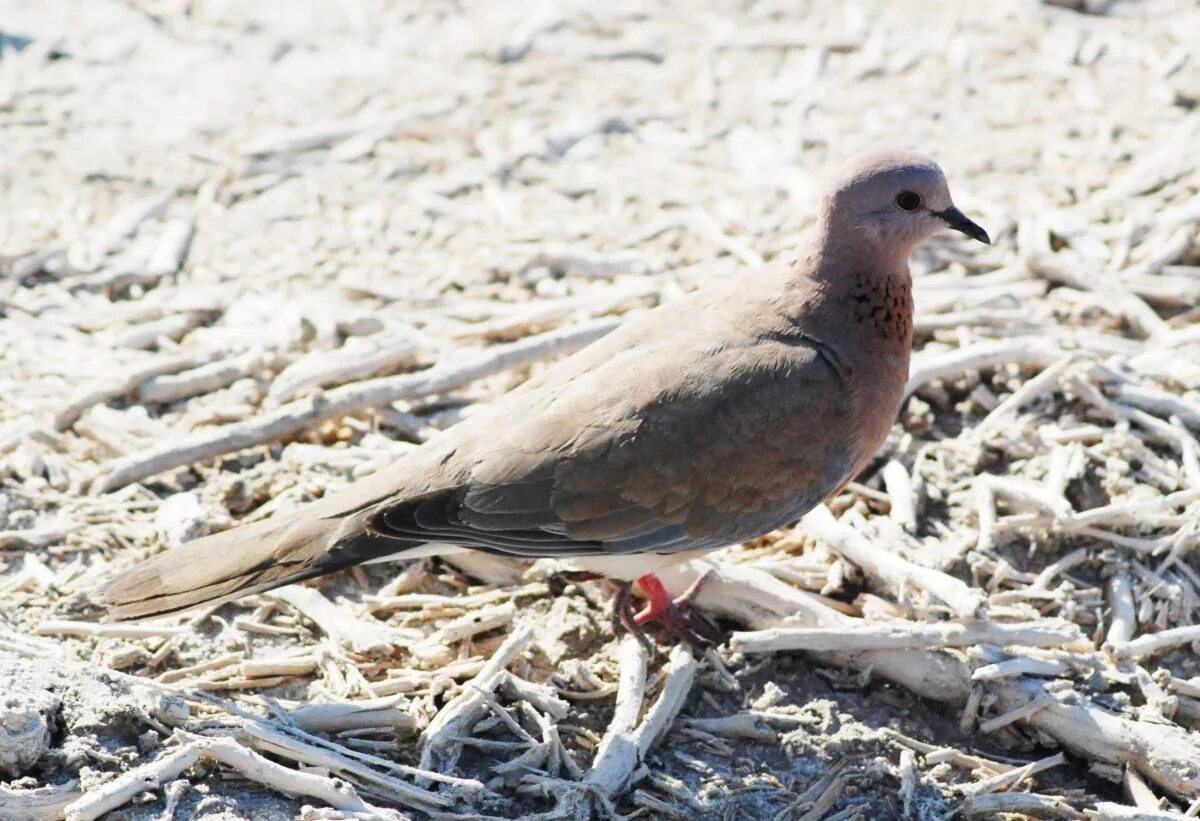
[
  {"x": 624, "y": 567},
  {"x": 629, "y": 566}
]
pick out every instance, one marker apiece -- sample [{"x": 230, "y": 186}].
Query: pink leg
[
  {"x": 658, "y": 601},
  {"x": 672, "y": 615}
]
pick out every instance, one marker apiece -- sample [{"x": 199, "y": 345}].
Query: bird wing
[{"x": 646, "y": 453}]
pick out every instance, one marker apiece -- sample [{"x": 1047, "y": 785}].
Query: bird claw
[{"x": 676, "y": 616}]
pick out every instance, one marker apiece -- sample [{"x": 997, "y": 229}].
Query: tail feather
[{"x": 242, "y": 561}]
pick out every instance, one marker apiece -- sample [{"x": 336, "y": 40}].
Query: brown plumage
[{"x": 702, "y": 423}]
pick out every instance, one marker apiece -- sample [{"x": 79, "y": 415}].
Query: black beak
[{"x": 958, "y": 221}]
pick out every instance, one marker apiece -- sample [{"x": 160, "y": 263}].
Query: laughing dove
[{"x": 708, "y": 421}]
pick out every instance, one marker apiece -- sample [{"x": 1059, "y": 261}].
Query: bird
[{"x": 699, "y": 424}]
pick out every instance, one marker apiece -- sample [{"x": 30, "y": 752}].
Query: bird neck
[
  {"x": 840, "y": 246},
  {"x": 854, "y": 289}
]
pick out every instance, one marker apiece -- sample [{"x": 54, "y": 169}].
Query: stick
[
  {"x": 181, "y": 673},
  {"x": 473, "y": 623},
  {"x": 364, "y": 635},
  {"x": 1020, "y": 666},
  {"x": 351, "y": 715},
  {"x": 171, "y": 387},
  {"x": 739, "y": 725},
  {"x": 279, "y": 743},
  {"x": 125, "y": 222},
  {"x": 46, "y": 804},
  {"x": 907, "y": 636},
  {"x": 106, "y": 388},
  {"x": 301, "y": 414},
  {"x": 172, "y": 248},
  {"x": 384, "y": 352},
  {"x": 335, "y": 793},
  {"x": 1138, "y": 791},
  {"x": 148, "y": 334},
  {"x": 891, "y": 569},
  {"x": 33, "y": 538},
  {"x": 545, "y": 699},
  {"x": 680, "y": 672},
  {"x": 57, "y": 627},
  {"x": 1123, "y": 622},
  {"x": 1044, "y": 382},
  {"x": 1110, "y": 811},
  {"x": 122, "y": 789},
  {"x": 1127, "y": 512},
  {"x": 898, "y": 484},
  {"x": 1153, "y": 400},
  {"x": 1029, "y": 804},
  {"x": 1018, "y": 713},
  {"x": 580, "y": 262},
  {"x": 1154, "y": 643},
  {"x": 1065, "y": 269},
  {"x": 453, "y": 720},
  {"x": 617, "y": 755},
  {"x": 1026, "y": 351},
  {"x": 1166, "y": 753},
  {"x": 307, "y": 138}
]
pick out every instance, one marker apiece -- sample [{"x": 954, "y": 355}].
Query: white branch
[
  {"x": 1154, "y": 643},
  {"x": 679, "y": 674},
  {"x": 453, "y": 720},
  {"x": 302, "y": 414},
  {"x": 890, "y": 568},
  {"x": 617, "y": 755},
  {"x": 908, "y": 636},
  {"x": 122, "y": 789},
  {"x": 1026, "y": 351},
  {"x": 364, "y": 634}
]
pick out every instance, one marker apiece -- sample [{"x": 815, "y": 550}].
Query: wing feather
[{"x": 720, "y": 459}]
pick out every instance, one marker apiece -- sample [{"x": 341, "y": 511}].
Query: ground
[{"x": 250, "y": 252}]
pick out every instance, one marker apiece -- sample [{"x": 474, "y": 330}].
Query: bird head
[{"x": 892, "y": 201}]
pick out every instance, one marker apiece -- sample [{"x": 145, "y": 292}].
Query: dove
[{"x": 702, "y": 423}]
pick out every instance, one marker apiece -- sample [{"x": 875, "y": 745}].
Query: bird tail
[{"x": 245, "y": 560}]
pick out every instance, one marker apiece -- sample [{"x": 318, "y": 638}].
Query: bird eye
[{"x": 908, "y": 200}]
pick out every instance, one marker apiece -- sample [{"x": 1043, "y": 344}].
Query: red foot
[
  {"x": 658, "y": 601},
  {"x": 675, "y": 615}
]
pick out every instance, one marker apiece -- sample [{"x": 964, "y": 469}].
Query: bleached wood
[
  {"x": 359, "y": 357},
  {"x": 900, "y": 491},
  {"x": 1023, "y": 351},
  {"x": 617, "y": 754},
  {"x": 362, "y": 634},
  {"x": 1122, "y": 624},
  {"x": 901, "y": 636},
  {"x": 452, "y": 721},
  {"x": 1166, "y": 754},
  {"x": 44, "y": 804},
  {"x": 351, "y": 715},
  {"x": 60, "y": 627},
  {"x": 891, "y": 568},
  {"x": 121, "y": 790},
  {"x": 116, "y": 385},
  {"x": 297, "y": 746},
  {"x": 1152, "y": 643},
  {"x": 305, "y": 413},
  {"x": 171, "y": 387}
]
